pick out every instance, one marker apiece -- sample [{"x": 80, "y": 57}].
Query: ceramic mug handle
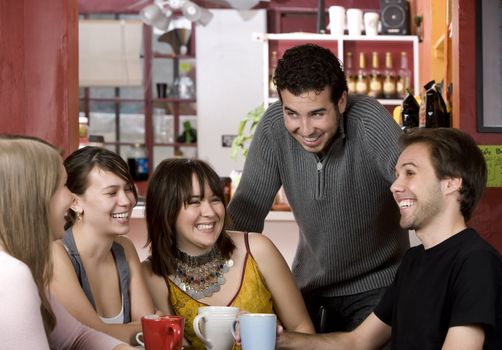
[
  {"x": 196, "y": 328},
  {"x": 140, "y": 342},
  {"x": 177, "y": 340},
  {"x": 234, "y": 328}
]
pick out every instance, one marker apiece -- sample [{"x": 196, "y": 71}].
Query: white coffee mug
[
  {"x": 215, "y": 330},
  {"x": 213, "y": 326},
  {"x": 371, "y": 23},
  {"x": 355, "y": 21},
  {"x": 336, "y": 20}
]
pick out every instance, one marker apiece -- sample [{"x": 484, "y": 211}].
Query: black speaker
[{"x": 394, "y": 15}]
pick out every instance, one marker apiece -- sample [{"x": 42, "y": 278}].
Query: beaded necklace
[{"x": 201, "y": 276}]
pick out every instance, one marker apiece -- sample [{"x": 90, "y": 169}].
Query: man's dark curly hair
[{"x": 310, "y": 67}]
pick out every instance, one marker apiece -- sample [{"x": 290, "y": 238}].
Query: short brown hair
[{"x": 454, "y": 154}]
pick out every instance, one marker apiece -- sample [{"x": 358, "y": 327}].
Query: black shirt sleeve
[{"x": 474, "y": 296}]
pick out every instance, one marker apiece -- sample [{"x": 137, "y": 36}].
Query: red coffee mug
[{"x": 162, "y": 332}]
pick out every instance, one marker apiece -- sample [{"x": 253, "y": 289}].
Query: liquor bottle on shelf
[
  {"x": 403, "y": 83},
  {"x": 183, "y": 86},
  {"x": 137, "y": 160},
  {"x": 271, "y": 86},
  {"x": 375, "y": 84},
  {"x": 410, "y": 110},
  {"x": 349, "y": 73},
  {"x": 362, "y": 77},
  {"x": 389, "y": 83},
  {"x": 433, "y": 110}
]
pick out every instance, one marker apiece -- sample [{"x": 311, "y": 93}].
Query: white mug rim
[{"x": 218, "y": 316}]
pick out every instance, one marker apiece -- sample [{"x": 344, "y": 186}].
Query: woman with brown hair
[
  {"x": 98, "y": 276},
  {"x": 196, "y": 262}
]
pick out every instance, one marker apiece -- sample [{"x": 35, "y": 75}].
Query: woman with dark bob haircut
[
  {"x": 97, "y": 272},
  {"x": 195, "y": 261}
]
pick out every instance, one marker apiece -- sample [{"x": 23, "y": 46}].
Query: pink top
[{"x": 21, "y": 325}]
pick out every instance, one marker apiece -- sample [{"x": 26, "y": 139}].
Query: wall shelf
[{"x": 339, "y": 45}]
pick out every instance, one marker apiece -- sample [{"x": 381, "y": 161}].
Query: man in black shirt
[{"x": 447, "y": 293}]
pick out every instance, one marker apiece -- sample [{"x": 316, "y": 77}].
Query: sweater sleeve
[
  {"x": 260, "y": 179},
  {"x": 382, "y": 135},
  {"x": 21, "y": 325},
  {"x": 71, "y": 334}
]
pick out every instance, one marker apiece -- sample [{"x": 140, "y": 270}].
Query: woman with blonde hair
[{"x": 33, "y": 203}]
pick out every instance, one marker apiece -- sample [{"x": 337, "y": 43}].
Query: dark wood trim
[{"x": 481, "y": 127}]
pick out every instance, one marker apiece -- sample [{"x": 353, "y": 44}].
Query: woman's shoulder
[
  {"x": 21, "y": 286},
  {"x": 260, "y": 245},
  {"x": 257, "y": 243},
  {"x": 13, "y": 268},
  {"x": 60, "y": 254}
]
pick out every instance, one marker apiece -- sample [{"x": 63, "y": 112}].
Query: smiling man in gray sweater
[{"x": 334, "y": 155}]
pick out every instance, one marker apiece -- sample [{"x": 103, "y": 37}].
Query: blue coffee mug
[{"x": 257, "y": 331}]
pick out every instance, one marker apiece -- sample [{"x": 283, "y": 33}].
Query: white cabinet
[
  {"x": 228, "y": 81},
  {"x": 340, "y": 45}
]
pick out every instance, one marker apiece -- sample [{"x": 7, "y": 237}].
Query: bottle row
[{"x": 380, "y": 82}]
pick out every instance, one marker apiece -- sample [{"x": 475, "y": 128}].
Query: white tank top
[{"x": 118, "y": 319}]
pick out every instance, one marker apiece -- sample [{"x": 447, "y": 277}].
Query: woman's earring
[{"x": 79, "y": 215}]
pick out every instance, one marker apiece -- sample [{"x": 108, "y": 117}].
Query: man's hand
[{"x": 293, "y": 340}]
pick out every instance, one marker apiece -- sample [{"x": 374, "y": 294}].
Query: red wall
[
  {"x": 488, "y": 217},
  {"x": 39, "y": 70}
]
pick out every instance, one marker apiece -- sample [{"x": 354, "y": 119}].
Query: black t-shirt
[{"x": 455, "y": 283}]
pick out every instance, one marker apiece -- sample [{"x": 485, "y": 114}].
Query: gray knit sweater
[{"x": 350, "y": 239}]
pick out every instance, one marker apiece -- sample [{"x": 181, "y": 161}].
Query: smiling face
[
  {"x": 312, "y": 118},
  {"x": 417, "y": 189},
  {"x": 59, "y": 204},
  {"x": 199, "y": 222},
  {"x": 107, "y": 202}
]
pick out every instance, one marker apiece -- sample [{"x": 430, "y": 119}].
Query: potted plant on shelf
[
  {"x": 240, "y": 145},
  {"x": 245, "y": 132}
]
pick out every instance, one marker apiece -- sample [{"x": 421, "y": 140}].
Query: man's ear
[
  {"x": 342, "y": 102},
  {"x": 453, "y": 184}
]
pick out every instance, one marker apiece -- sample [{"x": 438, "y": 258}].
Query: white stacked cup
[
  {"x": 371, "y": 23},
  {"x": 336, "y": 20},
  {"x": 354, "y": 21}
]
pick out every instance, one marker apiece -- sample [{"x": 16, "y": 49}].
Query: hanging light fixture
[
  {"x": 157, "y": 16},
  {"x": 160, "y": 13},
  {"x": 195, "y": 13}
]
